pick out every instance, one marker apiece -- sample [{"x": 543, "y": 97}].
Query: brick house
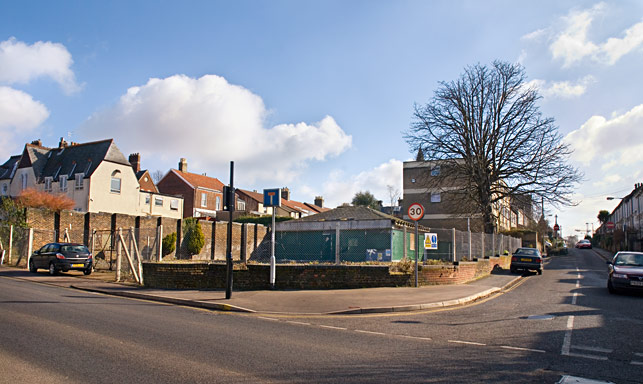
[
  {"x": 295, "y": 209},
  {"x": 202, "y": 195}
]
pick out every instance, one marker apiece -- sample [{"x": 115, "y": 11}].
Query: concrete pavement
[{"x": 295, "y": 302}]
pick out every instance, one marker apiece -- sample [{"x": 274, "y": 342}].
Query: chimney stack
[
  {"x": 37, "y": 142},
  {"x": 135, "y": 160},
  {"x": 62, "y": 143},
  {"x": 183, "y": 165},
  {"x": 285, "y": 193},
  {"x": 319, "y": 201}
]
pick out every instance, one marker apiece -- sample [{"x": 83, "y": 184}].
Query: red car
[{"x": 584, "y": 244}]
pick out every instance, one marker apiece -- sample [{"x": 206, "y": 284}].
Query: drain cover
[{"x": 540, "y": 317}]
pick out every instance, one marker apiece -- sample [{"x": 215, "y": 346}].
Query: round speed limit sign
[{"x": 416, "y": 212}]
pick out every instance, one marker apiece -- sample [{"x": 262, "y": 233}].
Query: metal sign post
[
  {"x": 231, "y": 200},
  {"x": 416, "y": 213},
  {"x": 272, "y": 198}
]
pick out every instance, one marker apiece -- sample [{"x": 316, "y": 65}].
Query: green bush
[
  {"x": 193, "y": 236},
  {"x": 169, "y": 243},
  {"x": 263, "y": 220}
]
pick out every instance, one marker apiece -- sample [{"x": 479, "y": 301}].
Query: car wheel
[
  {"x": 513, "y": 270},
  {"x": 540, "y": 271},
  {"x": 87, "y": 271},
  {"x": 52, "y": 269},
  {"x": 610, "y": 287},
  {"x": 32, "y": 267}
]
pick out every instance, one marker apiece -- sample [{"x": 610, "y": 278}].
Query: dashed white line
[
  {"x": 567, "y": 341},
  {"x": 638, "y": 354},
  {"x": 522, "y": 349},
  {"x": 267, "y": 318},
  {"x": 465, "y": 342},
  {"x": 370, "y": 332},
  {"x": 415, "y": 337},
  {"x": 593, "y": 349},
  {"x": 297, "y": 322},
  {"x": 331, "y": 327},
  {"x": 636, "y": 362},
  {"x": 574, "y": 298},
  {"x": 577, "y": 283},
  {"x": 593, "y": 357}
]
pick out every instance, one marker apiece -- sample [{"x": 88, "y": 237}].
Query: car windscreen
[
  {"x": 527, "y": 252},
  {"x": 629, "y": 259},
  {"x": 75, "y": 249}
]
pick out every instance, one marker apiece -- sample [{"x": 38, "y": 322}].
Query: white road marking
[
  {"x": 637, "y": 363},
  {"x": 267, "y": 318},
  {"x": 593, "y": 349},
  {"x": 593, "y": 357},
  {"x": 297, "y": 322},
  {"x": 574, "y": 298},
  {"x": 370, "y": 332},
  {"x": 566, "y": 379},
  {"x": 331, "y": 327},
  {"x": 415, "y": 337},
  {"x": 465, "y": 342},
  {"x": 638, "y": 354},
  {"x": 577, "y": 283},
  {"x": 522, "y": 349},
  {"x": 567, "y": 341}
]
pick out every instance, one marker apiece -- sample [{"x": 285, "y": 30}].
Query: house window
[
  {"x": 23, "y": 179},
  {"x": 435, "y": 197},
  {"x": 115, "y": 185},
  {"x": 147, "y": 200},
  {"x": 5, "y": 188},
  {"x": 63, "y": 183},
  {"x": 158, "y": 201},
  {"x": 204, "y": 200},
  {"x": 241, "y": 205},
  {"x": 48, "y": 180},
  {"x": 79, "y": 181},
  {"x": 412, "y": 180},
  {"x": 435, "y": 171},
  {"x": 174, "y": 204},
  {"x": 218, "y": 203}
]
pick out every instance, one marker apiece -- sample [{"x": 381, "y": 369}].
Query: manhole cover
[{"x": 540, "y": 317}]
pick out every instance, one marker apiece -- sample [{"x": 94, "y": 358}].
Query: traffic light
[{"x": 228, "y": 198}]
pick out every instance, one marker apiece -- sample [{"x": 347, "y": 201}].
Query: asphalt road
[{"x": 561, "y": 323}]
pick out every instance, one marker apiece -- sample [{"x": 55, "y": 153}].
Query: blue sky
[{"x": 314, "y": 96}]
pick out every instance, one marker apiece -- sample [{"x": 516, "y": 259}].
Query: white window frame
[
  {"x": 435, "y": 197},
  {"x": 62, "y": 179},
  {"x": 117, "y": 179},
  {"x": 204, "y": 199},
  {"x": 217, "y": 206},
  {"x": 158, "y": 201},
  {"x": 23, "y": 178},
  {"x": 174, "y": 204},
  {"x": 48, "y": 181},
  {"x": 79, "y": 181}
]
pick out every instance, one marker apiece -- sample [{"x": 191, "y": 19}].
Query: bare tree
[
  {"x": 487, "y": 129},
  {"x": 157, "y": 176},
  {"x": 394, "y": 196}
]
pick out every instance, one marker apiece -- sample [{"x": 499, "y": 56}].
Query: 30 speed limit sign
[{"x": 416, "y": 212}]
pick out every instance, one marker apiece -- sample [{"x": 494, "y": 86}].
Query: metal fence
[{"x": 323, "y": 244}]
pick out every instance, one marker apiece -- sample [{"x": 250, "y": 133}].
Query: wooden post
[
  {"x": 159, "y": 239},
  {"x": 119, "y": 248},
  {"x": 10, "y": 242},
  {"x": 129, "y": 257},
  {"x": 337, "y": 245}
]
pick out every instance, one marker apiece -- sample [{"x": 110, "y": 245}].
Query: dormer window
[{"x": 115, "y": 185}]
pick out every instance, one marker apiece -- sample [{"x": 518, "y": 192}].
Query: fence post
[
  {"x": 29, "y": 245},
  {"x": 159, "y": 238},
  {"x": 119, "y": 247},
  {"x": 337, "y": 244},
  {"x": 138, "y": 256},
  {"x": 493, "y": 244},
  {"x": 403, "y": 245},
  {"x": 10, "y": 241},
  {"x": 454, "y": 247},
  {"x": 482, "y": 235},
  {"x": 469, "y": 228}
]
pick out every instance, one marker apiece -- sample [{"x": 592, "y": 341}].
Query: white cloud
[
  {"x": 21, "y": 63},
  {"x": 211, "y": 122},
  {"x": 571, "y": 43},
  {"x": 562, "y": 89},
  {"x": 19, "y": 114},
  {"x": 340, "y": 188},
  {"x": 620, "y": 136}
]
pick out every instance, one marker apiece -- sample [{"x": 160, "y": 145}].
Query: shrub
[
  {"x": 194, "y": 238},
  {"x": 169, "y": 243}
]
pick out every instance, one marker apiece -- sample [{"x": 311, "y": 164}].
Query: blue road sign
[{"x": 272, "y": 197}]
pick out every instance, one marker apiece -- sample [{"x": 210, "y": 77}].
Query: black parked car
[
  {"x": 526, "y": 259},
  {"x": 62, "y": 257}
]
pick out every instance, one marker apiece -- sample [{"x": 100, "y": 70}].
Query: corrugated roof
[{"x": 354, "y": 213}]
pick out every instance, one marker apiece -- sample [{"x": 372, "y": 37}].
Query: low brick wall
[{"x": 169, "y": 275}]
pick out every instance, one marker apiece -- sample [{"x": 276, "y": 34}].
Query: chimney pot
[
  {"x": 285, "y": 193},
  {"x": 62, "y": 143},
  {"x": 37, "y": 142},
  {"x": 319, "y": 201}
]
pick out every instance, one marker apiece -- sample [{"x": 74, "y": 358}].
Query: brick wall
[{"x": 256, "y": 276}]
